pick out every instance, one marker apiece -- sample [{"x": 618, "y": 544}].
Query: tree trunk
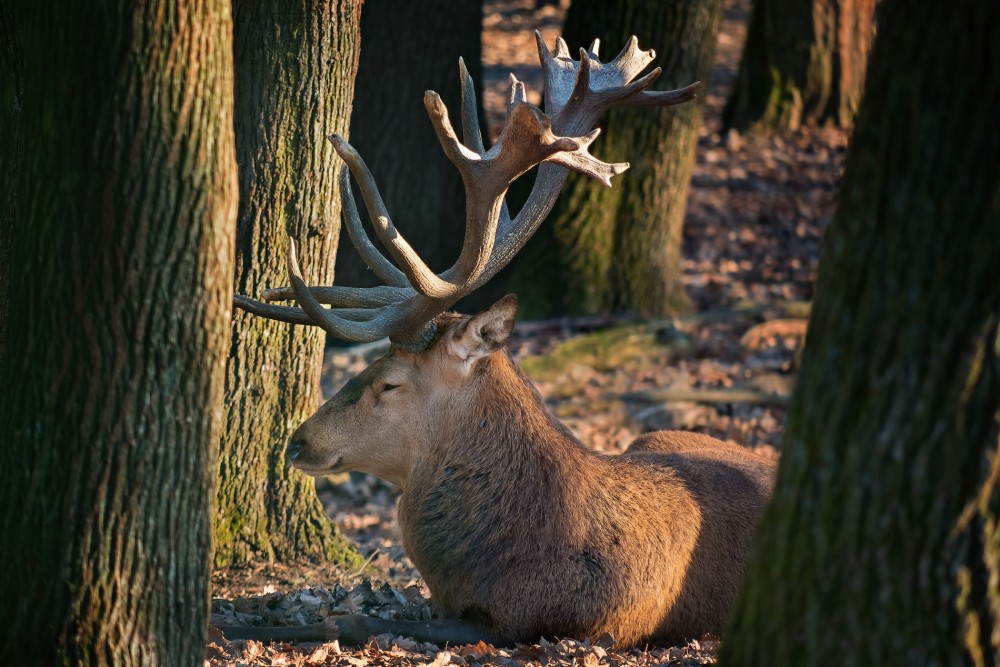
[
  {"x": 408, "y": 48},
  {"x": 11, "y": 95},
  {"x": 864, "y": 555},
  {"x": 803, "y": 62},
  {"x": 295, "y": 66},
  {"x": 619, "y": 248},
  {"x": 120, "y": 290}
]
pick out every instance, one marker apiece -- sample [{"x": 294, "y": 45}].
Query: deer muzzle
[{"x": 294, "y": 449}]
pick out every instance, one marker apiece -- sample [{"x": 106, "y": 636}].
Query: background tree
[
  {"x": 864, "y": 555},
  {"x": 802, "y": 62},
  {"x": 10, "y": 129},
  {"x": 408, "y": 48},
  {"x": 119, "y": 298},
  {"x": 295, "y": 67},
  {"x": 619, "y": 248}
]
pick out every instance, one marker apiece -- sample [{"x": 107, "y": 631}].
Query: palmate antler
[{"x": 576, "y": 94}]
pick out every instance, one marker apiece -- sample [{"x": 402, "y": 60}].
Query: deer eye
[{"x": 389, "y": 387}]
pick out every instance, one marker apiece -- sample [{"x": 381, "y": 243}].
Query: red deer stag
[{"x": 518, "y": 529}]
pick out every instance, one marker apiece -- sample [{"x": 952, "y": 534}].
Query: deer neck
[
  {"x": 506, "y": 468},
  {"x": 500, "y": 429},
  {"x": 509, "y": 416}
]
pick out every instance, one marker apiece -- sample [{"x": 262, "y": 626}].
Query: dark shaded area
[
  {"x": 408, "y": 48},
  {"x": 804, "y": 63}
]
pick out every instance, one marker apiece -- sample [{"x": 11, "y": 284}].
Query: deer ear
[{"x": 486, "y": 332}]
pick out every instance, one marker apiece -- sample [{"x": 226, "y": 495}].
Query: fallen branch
[{"x": 691, "y": 395}]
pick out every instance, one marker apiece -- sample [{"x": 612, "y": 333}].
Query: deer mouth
[
  {"x": 338, "y": 466},
  {"x": 320, "y": 470}
]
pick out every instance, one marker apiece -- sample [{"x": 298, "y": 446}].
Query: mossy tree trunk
[
  {"x": 619, "y": 248},
  {"x": 112, "y": 376},
  {"x": 295, "y": 67},
  {"x": 864, "y": 556},
  {"x": 803, "y": 62},
  {"x": 408, "y": 48}
]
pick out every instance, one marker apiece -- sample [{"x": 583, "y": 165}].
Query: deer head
[
  {"x": 408, "y": 307},
  {"x": 387, "y": 417}
]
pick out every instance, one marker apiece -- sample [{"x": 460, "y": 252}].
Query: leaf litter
[{"x": 756, "y": 213}]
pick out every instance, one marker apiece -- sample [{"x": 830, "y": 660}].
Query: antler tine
[
  {"x": 371, "y": 256},
  {"x": 343, "y": 297},
  {"x": 576, "y": 94},
  {"x": 272, "y": 312},
  {"x": 583, "y": 162},
  {"x": 471, "y": 133},
  {"x": 296, "y": 315},
  {"x": 517, "y": 93},
  {"x": 562, "y": 48},
  {"x": 581, "y": 87},
  {"x": 346, "y": 323},
  {"x": 341, "y": 327},
  {"x": 660, "y": 98},
  {"x": 417, "y": 273}
]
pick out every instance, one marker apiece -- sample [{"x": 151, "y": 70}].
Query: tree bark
[
  {"x": 804, "y": 62},
  {"x": 867, "y": 552},
  {"x": 11, "y": 95},
  {"x": 408, "y": 48},
  {"x": 295, "y": 67},
  {"x": 619, "y": 248},
  {"x": 120, "y": 290}
]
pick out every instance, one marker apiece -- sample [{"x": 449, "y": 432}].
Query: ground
[{"x": 756, "y": 214}]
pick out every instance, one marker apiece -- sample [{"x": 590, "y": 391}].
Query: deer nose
[{"x": 295, "y": 448}]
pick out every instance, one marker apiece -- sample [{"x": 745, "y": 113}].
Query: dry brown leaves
[
  {"x": 315, "y": 604},
  {"x": 402, "y": 652}
]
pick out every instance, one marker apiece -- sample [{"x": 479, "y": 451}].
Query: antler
[{"x": 576, "y": 94}]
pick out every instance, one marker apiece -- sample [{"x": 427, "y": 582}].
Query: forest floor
[{"x": 757, "y": 211}]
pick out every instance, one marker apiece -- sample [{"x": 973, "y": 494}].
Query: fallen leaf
[{"x": 441, "y": 659}]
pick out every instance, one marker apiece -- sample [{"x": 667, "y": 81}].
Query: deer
[{"x": 518, "y": 529}]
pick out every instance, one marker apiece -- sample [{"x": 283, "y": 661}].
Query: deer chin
[{"x": 314, "y": 470}]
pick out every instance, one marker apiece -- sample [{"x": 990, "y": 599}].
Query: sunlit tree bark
[{"x": 295, "y": 67}]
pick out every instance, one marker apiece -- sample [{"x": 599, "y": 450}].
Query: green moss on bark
[{"x": 295, "y": 66}]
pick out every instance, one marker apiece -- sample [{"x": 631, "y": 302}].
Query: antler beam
[{"x": 577, "y": 92}]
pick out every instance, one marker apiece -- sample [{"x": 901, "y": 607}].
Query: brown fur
[{"x": 515, "y": 524}]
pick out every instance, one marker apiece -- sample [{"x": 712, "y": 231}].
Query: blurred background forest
[{"x": 147, "y": 418}]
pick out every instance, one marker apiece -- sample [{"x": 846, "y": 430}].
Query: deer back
[{"x": 514, "y": 523}]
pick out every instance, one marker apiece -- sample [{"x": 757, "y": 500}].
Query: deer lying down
[{"x": 518, "y": 529}]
